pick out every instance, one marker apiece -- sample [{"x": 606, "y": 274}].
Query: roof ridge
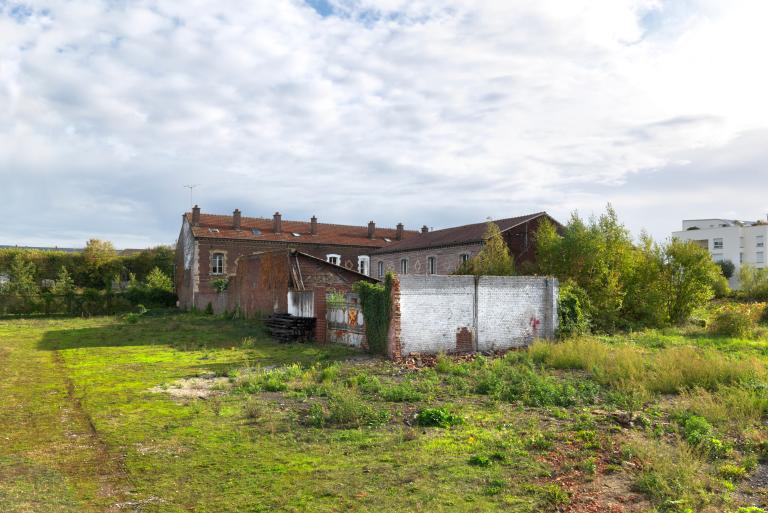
[
  {"x": 489, "y": 220},
  {"x": 244, "y": 218}
]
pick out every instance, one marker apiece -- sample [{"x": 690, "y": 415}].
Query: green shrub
[
  {"x": 572, "y": 310},
  {"x": 754, "y": 282},
  {"x": 733, "y": 320},
  {"x": 268, "y": 380},
  {"x": 696, "y": 429},
  {"x": 534, "y": 389},
  {"x": 480, "y": 460},
  {"x": 437, "y": 417},
  {"x": 329, "y": 373},
  {"x": 348, "y": 409},
  {"x": 732, "y": 472},
  {"x": 443, "y": 364},
  {"x": 365, "y": 382},
  {"x": 400, "y": 393}
]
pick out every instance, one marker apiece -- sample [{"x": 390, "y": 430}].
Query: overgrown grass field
[{"x": 180, "y": 412}]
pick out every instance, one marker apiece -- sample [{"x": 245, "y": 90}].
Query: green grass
[{"x": 86, "y": 425}]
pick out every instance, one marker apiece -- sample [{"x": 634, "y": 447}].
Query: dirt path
[
  {"x": 111, "y": 475},
  {"x": 52, "y": 458}
]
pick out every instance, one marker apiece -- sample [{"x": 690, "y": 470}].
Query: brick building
[
  {"x": 287, "y": 281},
  {"x": 209, "y": 246},
  {"x": 442, "y": 251}
]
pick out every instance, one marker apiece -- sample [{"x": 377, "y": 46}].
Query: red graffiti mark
[{"x": 535, "y": 323}]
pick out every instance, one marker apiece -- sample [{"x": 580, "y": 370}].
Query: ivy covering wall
[{"x": 376, "y": 303}]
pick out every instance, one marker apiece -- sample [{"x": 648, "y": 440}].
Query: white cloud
[{"x": 437, "y": 112}]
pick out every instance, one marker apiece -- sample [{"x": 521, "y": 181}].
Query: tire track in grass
[{"x": 109, "y": 468}]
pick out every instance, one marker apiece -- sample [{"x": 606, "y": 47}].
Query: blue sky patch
[{"x": 322, "y": 7}]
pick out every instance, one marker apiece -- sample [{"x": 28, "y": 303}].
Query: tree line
[
  {"x": 96, "y": 280},
  {"x": 608, "y": 282}
]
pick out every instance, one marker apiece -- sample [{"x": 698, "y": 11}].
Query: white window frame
[
  {"x": 431, "y": 265},
  {"x": 403, "y": 266},
  {"x": 464, "y": 257},
  {"x": 717, "y": 243},
  {"x": 760, "y": 257},
  {"x": 218, "y": 263},
  {"x": 364, "y": 265},
  {"x": 381, "y": 269},
  {"x": 330, "y": 257},
  {"x": 759, "y": 241}
]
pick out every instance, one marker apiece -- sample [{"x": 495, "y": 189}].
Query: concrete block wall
[{"x": 463, "y": 313}]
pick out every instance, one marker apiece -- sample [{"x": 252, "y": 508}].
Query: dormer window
[
  {"x": 333, "y": 258},
  {"x": 296, "y": 234},
  {"x": 255, "y": 231},
  {"x": 213, "y": 230}
]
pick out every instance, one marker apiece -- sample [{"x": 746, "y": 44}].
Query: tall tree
[{"x": 493, "y": 259}]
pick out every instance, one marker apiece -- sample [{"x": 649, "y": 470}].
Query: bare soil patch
[{"x": 198, "y": 387}]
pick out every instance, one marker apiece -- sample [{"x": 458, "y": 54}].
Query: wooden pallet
[{"x": 288, "y": 328}]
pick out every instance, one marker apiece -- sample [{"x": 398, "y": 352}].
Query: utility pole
[{"x": 191, "y": 188}]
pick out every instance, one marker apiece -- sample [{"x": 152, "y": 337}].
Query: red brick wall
[
  {"x": 236, "y": 249},
  {"x": 261, "y": 284},
  {"x": 394, "y": 347}
]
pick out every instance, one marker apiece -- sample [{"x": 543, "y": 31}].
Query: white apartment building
[{"x": 741, "y": 242}]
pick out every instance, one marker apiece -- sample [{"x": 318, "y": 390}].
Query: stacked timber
[{"x": 288, "y": 328}]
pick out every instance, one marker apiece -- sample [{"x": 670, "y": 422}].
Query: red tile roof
[
  {"x": 459, "y": 235},
  {"x": 335, "y": 234}
]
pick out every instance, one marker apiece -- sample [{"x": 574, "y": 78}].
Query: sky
[{"x": 440, "y": 112}]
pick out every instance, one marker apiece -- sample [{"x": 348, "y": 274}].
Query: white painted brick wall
[
  {"x": 513, "y": 311},
  {"x": 505, "y": 312},
  {"x": 432, "y": 308}
]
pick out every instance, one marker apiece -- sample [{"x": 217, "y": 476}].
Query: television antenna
[{"x": 191, "y": 187}]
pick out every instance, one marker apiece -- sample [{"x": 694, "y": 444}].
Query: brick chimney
[
  {"x": 195, "y": 215},
  {"x": 313, "y": 225},
  {"x": 236, "y": 219},
  {"x": 277, "y": 223},
  {"x": 371, "y": 229},
  {"x": 399, "y": 231},
  {"x": 424, "y": 229}
]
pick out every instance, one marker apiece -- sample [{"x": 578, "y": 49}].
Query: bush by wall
[
  {"x": 377, "y": 306},
  {"x": 628, "y": 285},
  {"x": 572, "y": 310}
]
